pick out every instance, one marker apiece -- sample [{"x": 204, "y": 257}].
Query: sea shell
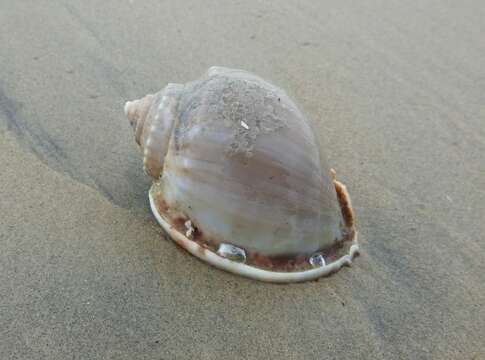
[{"x": 240, "y": 180}]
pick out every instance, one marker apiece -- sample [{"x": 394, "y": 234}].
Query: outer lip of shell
[{"x": 256, "y": 273}]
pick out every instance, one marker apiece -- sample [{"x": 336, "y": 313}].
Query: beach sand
[{"x": 396, "y": 91}]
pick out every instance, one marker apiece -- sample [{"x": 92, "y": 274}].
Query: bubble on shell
[
  {"x": 317, "y": 260},
  {"x": 232, "y": 252}
]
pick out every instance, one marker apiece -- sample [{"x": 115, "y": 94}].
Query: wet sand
[{"x": 397, "y": 94}]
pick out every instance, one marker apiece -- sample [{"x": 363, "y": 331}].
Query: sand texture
[{"x": 397, "y": 92}]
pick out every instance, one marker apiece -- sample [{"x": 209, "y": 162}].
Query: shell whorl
[
  {"x": 152, "y": 118},
  {"x": 136, "y": 111}
]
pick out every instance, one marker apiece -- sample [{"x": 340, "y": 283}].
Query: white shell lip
[{"x": 247, "y": 270}]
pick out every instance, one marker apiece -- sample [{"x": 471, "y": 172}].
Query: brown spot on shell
[
  {"x": 203, "y": 241},
  {"x": 282, "y": 262},
  {"x": 178, "y": 222},
  {"x": 160, "y": 203}
]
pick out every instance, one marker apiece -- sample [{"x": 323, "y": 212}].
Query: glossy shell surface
[{"x": 240, "y": 180}]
